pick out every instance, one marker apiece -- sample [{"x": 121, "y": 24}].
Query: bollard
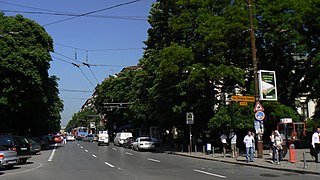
[
  {"x": 304, "y": 161},
  {"x": 212, "y": 155},
  {"x": 181, "y": 147},
  {"x": 195, "y": 148},
  {"x": 292, "y": 154},
  {"x": 204, "y": 150}
]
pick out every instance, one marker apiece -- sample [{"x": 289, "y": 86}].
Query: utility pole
[{"x": 255, "y": 71}]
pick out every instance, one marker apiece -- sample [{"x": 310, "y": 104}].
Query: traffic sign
[
  {"x": 243, "y": 98},
  {"x": 258, "y": 107},
  {"x": 243, "y": 103},
  {"x": 260, "y": 115},
  {"x": 190, "y": 118}
]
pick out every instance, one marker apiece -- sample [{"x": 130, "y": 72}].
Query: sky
[{"x": 107, "y": 34}]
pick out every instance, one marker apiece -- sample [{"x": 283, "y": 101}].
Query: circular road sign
[{"x": 260, "y": 115}]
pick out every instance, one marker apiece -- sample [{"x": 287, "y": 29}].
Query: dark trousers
[
  {"x": 317, "y": 150},
  {"x": 274, "y": 154}
]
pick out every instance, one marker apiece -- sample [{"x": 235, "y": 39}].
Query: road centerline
[
  {"x": 109, "y": 164},
  {"x": 53, "y": 151}
]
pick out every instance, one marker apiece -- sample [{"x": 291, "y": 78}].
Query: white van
[
  {"x": 118, "y": 140},
  {"x": 103, "y": 138}
]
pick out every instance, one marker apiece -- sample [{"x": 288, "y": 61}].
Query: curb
[{"x": 300, "y": 171}]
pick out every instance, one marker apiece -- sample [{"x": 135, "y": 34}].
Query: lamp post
[{"x": 255, "y": 72}]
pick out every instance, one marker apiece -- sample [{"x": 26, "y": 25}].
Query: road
[{"x": 86, "y": 160}]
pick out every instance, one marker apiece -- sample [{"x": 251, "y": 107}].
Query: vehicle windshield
[{"x": 145, "y": 139}]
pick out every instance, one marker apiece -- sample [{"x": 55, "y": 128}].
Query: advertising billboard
[{"x": 267, "y": 85}]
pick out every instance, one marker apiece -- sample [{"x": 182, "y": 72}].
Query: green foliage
[{"x": 29, "y": 101}]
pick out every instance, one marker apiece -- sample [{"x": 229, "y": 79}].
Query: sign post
[
  {"x": 258, "y": 125},
  {"x": 190, "y": 121}
]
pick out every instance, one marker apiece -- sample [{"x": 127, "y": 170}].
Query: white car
[
  {"x": 70, "y": 138},
  {"x": 143, "y": 143},
  {"x": 103, "y": 138}
]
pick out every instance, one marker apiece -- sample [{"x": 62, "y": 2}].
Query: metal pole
[
  {"x": 304, "y": 161},
  {"x": 190, "y": 139},
  {"x": 255, "y": 71}
]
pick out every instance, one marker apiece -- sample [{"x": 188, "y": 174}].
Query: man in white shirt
[
  {"x": 233, "y": 138},
  {"x": 316, "y": 143},
  {"x": 249, "y": 142}
]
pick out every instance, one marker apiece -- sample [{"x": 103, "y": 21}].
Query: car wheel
[
  {"x": 22, "y": 161},
  {"x": 9, "y": 166}
]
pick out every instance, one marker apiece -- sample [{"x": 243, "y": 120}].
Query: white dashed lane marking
[
  {"x": 154, "y": 160},
  {"x": 109, "y": 164},
  {"x": 208, "y": 173}
]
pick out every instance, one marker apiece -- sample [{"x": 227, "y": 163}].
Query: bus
[{"x": 80, "y": 132}]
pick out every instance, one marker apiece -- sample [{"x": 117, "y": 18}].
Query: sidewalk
[{"x": 310, "y": 167}]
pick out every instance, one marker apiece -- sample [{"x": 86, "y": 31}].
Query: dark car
[
  {"x": 35, "y": 147},
  {"x": 127, "y": 143},
  {"x": 18, "y": 144}
]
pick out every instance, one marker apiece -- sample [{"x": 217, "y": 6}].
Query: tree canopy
[{"x": 29, "y": 101}]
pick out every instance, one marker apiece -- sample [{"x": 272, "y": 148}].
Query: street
[{"x": 86, "y": 160}]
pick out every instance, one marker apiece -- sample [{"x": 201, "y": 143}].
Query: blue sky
[{"x": 112, "y": 39}]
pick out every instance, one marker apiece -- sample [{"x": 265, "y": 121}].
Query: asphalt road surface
[{"x": 88, "y": 161}]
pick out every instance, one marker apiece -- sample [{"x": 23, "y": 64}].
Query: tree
[{"x": 29, "y": 102}]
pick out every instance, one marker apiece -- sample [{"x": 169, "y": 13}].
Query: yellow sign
[
  {"x": 243, "y": 98},
  {"x": 243, "y": 103}
]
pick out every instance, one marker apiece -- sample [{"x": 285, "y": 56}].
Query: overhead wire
[{"x": 92, "y": 12}]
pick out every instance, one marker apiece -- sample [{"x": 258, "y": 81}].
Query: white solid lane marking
[
  {"x": 94, "y": 155},
  {"x": 114, "y": 149},
  {"x": 109, "y": 164},
  {"x": 86, "y": 150},
  {"x": 53, "y": 151},
  {"x": 211, "y": 174},
  {"x": 154, "y": 160},
  {"x": 130, "y": 154}
]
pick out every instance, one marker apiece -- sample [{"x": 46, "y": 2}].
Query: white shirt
[
  {"x": 223, "y": 138},
  {"x": 315, "y": 138},
  {"x": 248, "y": 140}
]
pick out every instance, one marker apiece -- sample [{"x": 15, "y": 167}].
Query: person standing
[
  {"x": 316, "y": 143},
  {"x": 223, "y": 139},
  {"x": 277, "y": 147},
  {"x": 249, "y": 142},
  {"x": 271, "y": 143},
  {"x": 233, "y": 141}
]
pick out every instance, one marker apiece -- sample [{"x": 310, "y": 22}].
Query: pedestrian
[
  {"x": 223, "y": 139},
  {"x": 64, "y": 139},
  {"x": 316, "y": 143},
  {"x": 249, "y": 143},
  {"x": 233, "y": 142},
  {"x": 271, "y": 143},
  {"x": 277, "y": 147}
]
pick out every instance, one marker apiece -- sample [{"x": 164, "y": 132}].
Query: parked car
[
  {"x": 70, "y": 137},
  {"x": 18, "y": 144},
  {"x": 95, "y": 137},
  {"x": 103, "y": 138},
  {"x": 143, "y": 143},
  {"x": 8, "y": 158},
  {"x": 57, "y": 139},
  {"x": 88, "y": 138},
  {"x": 127, "y": 143},
  {"x": 44, "y": 143},
  {"x": 35, "y": 147},
  {"x": 120, "y": 137}
]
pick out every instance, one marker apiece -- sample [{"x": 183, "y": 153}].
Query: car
[
  {"x": 103, "y": 138},
  {"x": 44, "y": 143},
  {"x": 95, "y": 137},
  {"x": 143, "y": 143},
  {"x": 57, "y": 139},
  {"x": 35, "y": 147},
  {"x": 88, "y": 138},
  {"x": 70, "y": 137},
  {"x": 120, "y": 137},
  {"x": 8, "y": 158},
  {"x": 127, "y": 143},
  {"x": 18, "y": 144}
]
